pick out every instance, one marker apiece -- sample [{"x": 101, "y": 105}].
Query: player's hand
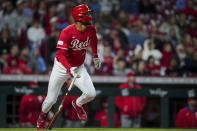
[
  {"x": 73, "y": 72},
  {"x": 97, "y": 63}
]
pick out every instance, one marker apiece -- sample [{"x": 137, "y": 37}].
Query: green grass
[{"x": 95, "y": 129}]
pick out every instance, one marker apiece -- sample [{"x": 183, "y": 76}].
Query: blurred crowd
[{"x": 149, "y": 37}]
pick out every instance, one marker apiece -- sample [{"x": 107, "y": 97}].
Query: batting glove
[{"x": 97, "y": 62}]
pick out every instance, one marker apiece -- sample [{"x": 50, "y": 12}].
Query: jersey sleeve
[
  {"x": 63, "y": 40},
  {"x": 94, "y": 42}
]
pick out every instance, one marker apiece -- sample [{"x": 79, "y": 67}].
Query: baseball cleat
[
  {"x": 41, "y": 121},
  {"x": 80, "y": 111}
]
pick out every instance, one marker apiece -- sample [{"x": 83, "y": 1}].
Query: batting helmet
[{"x": 79, "y": 14}]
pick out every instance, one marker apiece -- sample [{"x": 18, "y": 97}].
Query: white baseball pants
[{"x": 58, "y": 78}]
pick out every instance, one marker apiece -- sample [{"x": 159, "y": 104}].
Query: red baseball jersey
[
  {"x": 73, "y": 43},
  {"x": 186, "y": 118}
]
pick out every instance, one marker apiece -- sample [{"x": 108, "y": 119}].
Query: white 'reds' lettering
[{"x": 76, "y": 45}]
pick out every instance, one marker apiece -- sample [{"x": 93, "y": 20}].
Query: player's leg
[
  {"x": 57, "y": 79},
  {"x": 126, "y": 122},
  {"x": 84, "y": 83},
  {"x": 137, "y": 122}
]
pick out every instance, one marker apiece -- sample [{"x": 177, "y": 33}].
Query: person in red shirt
[
  {"x": 102, "y": 116},
  {"x": 167, "y": 52},
  {"x": 30, "y": 106},
  {"x": 130, "y": 107},
  {"x": 14, "y": 67},
  {"x": 72, "y": 45},
  {"x": 187, "y": 116},
  {"x": 152, "y": 67}
]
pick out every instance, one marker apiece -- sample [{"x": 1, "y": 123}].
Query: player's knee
[
  {"x": 51, "y": 102},
  {"x": 91, "y": 95}
]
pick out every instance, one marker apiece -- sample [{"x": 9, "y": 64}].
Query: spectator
[
  {"x": 14, "y": 67},
  {"x": 37, "y": 63},
  {"x": 6, "y": 14},
  {"x": 102, "y": 116},
  {"x": 167, "y": 53},
  {"x": 105, "y": 20},
  {"x": 189, "y": 50},
  {"x": 114, "y": 40},
  {"x": 145, "y": 6},
  {"x": 120, "y": 67},
  {"x": 130, "y": 107},
  {"x": 152, "y": 67},
  {"x": 122, "y": 19},
  {"x": 51, "y": 45},
  {"x": 136, "y": 35},
  {"x": 3, "y": 59},
  {"x": 107, "y": 67},
  {"x": 108, "y": 4},
  {"x": 193, "y": 28},
  {"x": 173, "y": 69},
  {"x": 130, "y": 6},
  {"x": 170, "y": 26},
  {"x": 24, "y": 55},
  {"x": 96, "y": 6},
  {"x": 160, "y": 40},
  {"x": 100, "y": 46},
  {"x": 149, "y": 50},
  {"x": 30, "y": 106},
  {"x": 193, "y": 64},
  {"x": 14, "y": 52},
  {"x": 137, "y": 57},
  {"x": 30, "y": 9},
  {"x": 172, "y": 37},
  {"x": 122, "y": 38},
  {"x": 54, "y": 24},
  {"x": 119, "y": 54},
  {"x": 47, "y": 18},
  {"x": 181, "y": 56},
  {"x": 17, "y": 20},
  {"x": 116, "y": 10},
  {"x": 190, "y": 8},
  {"x": 35, "y": 34},
  {"x": 42, "y": 9},
  {"x": 186, "y": 117},
  {"x": 5, "y": 40},
  {"x": 183, "y": 24},
  {"x": 1, "y": 17},
  {"x": 181, "y": 4},
  {"x": 118, "y": 40},
  {"x": 187, "y": 40},
  {"x": 141, "y": 69},
  {"x": 195, "y": 43}
]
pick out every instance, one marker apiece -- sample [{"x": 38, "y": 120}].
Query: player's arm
[
  {"x": 62, "y": 46},
  {"x": 93, "y": 45}
]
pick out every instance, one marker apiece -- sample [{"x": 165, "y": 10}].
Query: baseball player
[{"x": 69, "y": 61}]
